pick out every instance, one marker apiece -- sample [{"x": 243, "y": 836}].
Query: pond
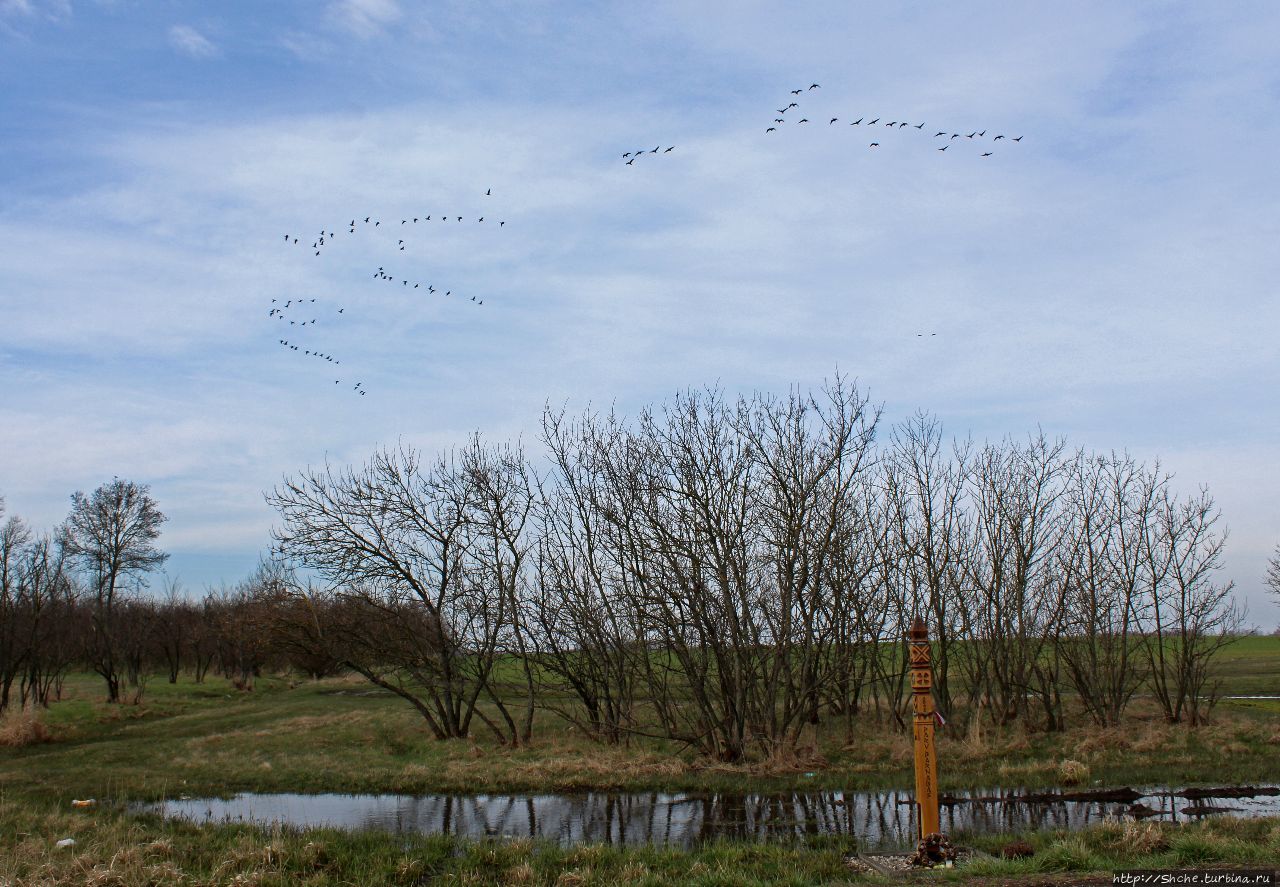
[{"x": 874, "y": 820}]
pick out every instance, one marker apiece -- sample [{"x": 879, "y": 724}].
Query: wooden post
[{"x": 922, "y": 728}]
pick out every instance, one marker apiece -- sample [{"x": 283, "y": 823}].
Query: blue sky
[{"x": 1110, "y": 278}]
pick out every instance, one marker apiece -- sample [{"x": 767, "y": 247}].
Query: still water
[{"x": 871, "y": 820}]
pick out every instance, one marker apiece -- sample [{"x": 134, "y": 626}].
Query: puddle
[{"x": 876, "y": 820}]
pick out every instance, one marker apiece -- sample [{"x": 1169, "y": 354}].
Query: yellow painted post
[{"x": 922, "y": 728}]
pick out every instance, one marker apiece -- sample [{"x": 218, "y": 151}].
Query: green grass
[
  {"x": 342, "y": 735},
  {"x": 125, "y": 851}
]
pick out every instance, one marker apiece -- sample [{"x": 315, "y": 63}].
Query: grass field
[
  {"x": 342, "y": 735},
  {"x": 111, "y": 849}
]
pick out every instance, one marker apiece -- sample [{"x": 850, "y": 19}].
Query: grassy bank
[
  {"x": 111, "y": 849},
  {"x": 341, "y": 735}
]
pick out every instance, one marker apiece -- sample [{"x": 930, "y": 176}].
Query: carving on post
[{"x": 922, "y": 728}]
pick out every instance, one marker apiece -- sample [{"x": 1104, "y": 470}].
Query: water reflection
[{"x": 870, "y": 820}]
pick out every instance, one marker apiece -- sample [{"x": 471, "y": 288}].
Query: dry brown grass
[
  {"x": 784, "y": 761},
  {"x": 599, "y": 767},
  {"x": 884, "y": 746},
  {"x": 519, "y": 874},
  {"x": 632, "y": 873},
  {"x": 1132, "y": 836},
  {"x": 1072, "y": 772},
  {"x": 22, "y": 728},
  {"x": 1097, "y": 740}
]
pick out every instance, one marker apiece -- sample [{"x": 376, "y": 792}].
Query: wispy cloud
[
  {"x": 1111, "y": 277},
  {"x": 364, "y": 18},
  {"x": 29, "y": 9},
  {"x": 305, "y": 46},
  {"x": 16, "y": 8},
  {"x": 188, "y": 41}
]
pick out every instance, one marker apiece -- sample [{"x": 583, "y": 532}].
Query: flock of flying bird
[
  {"x": 326, "y": 238},
  {"x": 632, "y": 156},
  {"x": 892, "y": 125}
]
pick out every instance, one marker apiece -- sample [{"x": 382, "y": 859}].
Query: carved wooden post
[{"x": 922, "y": 728}]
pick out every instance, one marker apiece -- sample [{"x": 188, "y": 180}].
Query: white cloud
[
  {"x": 304, "y": 46},
  {"x": 364, "y": 18},
  {"x": 53, "y": 10},
  {"x": 188, "y": 41},
  {"x": 1110, "y": 278}
]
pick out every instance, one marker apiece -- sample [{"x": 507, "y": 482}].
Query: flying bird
[
  {"x": 488, "y": 192},
  {"x": 874, "y": 145},
  {"x": 988, "y": 154},
  {"x": 796, "y": 91},
  {"x": 832, "y": 120},
  {"x": 814, "y": 86},
  {"x": 770, "y": 129},
  {"x": 856, "y": 122}
]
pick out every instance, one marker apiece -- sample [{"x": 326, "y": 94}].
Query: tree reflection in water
[{"x": 870, "y": 820}]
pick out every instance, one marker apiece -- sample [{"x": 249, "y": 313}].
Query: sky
[{"x": 1110, "y": 278}]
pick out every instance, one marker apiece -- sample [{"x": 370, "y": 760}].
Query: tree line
[
  {"x": 726, "y": 571},
  {"x": 77, "y": 598},
  {"x": 722, "y": 572}
]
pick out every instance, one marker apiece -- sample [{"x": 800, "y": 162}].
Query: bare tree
[
  {"x": 926, "y": 487},
  {"x": 1273, "y": 573},
  {"x": 1018, "y": 605},
  {"x": 723, "y": 522},
  {"x": 174, "y": 626},
  {"x": 393, "y": 541},
  {"x": 589, "y": 637},
  {"x": 15, "y": 536},
  {"x": 498, "y": 552},
  {"x": 1192, "y": 617},
  {"x": 110, "y": 535},
  {"x": 1113, "y": 502}
]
